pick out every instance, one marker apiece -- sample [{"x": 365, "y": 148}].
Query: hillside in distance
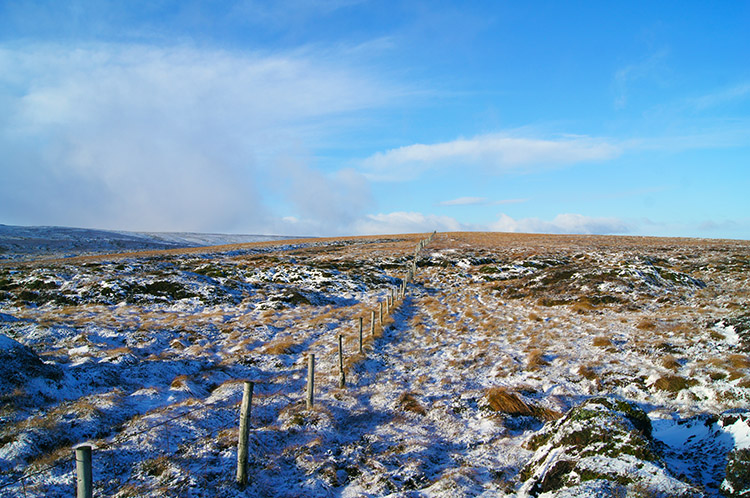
[
  {"x": 512, "y": 365},
  {"x": 25, "y": 243}
]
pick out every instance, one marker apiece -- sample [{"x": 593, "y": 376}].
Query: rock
[
  {"x": 19, "y": 364},
  {"x": 602, "y": 447},
  {"x": 737, "y": 478}
]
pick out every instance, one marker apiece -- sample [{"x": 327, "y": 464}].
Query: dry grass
[
  {"x": 501, "y": 400},
  {"x": 674, "y": 383},
  {"x": 670, "y": 362},
  {"x": 409, "y": 403},
  {"x": 646, "y": 324},
  {"x": 535, "y": 359},
  {"x": 587, "y": 372},
  {"x": 602, "y": 341},
  {"x": 282, "y": 345},
  {"x": 739, "y": 361}
]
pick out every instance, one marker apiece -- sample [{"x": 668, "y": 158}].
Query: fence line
[{"x": 83, "y": 452}]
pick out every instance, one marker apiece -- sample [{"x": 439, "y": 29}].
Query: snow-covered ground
[
  {"x": 25, "y": 243},
  {"x": 515, "y": 365}
]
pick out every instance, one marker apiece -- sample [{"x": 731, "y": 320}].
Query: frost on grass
[{"x": 554, "y": 366}]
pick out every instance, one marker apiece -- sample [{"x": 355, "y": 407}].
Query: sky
[{"x": 345, "y": 117}]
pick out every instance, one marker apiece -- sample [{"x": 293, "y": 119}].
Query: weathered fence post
[
  {"x": 342, "y": 375},
  {"x": 245, "y": 409},
  {"x": 310, "y": 379},
  {"x": 84, "y": 475},
  {"x": 372, "y": 323},
  {"x": 381, "y": 314},
  {"x": 360, "y": 336}
]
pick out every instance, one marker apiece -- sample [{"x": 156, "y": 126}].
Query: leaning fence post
[
  {"x": 360, "y": 336},
  {"x": 84, "y": 476},
  {"x": 342, "y": 375},
  {"x": 246, "y": 407},
  {"x": 310, "y": 379}
]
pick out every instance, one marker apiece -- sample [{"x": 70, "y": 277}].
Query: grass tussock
[
  {"x": 587, "y": 372},
  {"x": 501, "y": 400},
  {"x": 670, "y": 362},
  {"x": 739, "y": 361},
  {"x": 284, "y": 345},
  {"x": 535, "y": 359},
  {"x": 602, "y": 341},
  {"x": 646, "y": 324},
  {"x": 673, "y": 383},
  {"x": 409, "y": 403}
]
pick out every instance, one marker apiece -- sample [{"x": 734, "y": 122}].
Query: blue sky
[{"x": 354, "y": 117}]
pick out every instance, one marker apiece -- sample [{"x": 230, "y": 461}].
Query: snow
[{"x": 134, "y": 356}]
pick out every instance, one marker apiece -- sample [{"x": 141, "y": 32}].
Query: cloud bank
[
  {"x": 496, "y": 153},
  {"x": 168, "y": 138}
]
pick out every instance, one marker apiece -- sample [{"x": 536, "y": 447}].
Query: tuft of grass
[
  {"x": 502, "y": 400},
  {"x": 602, "y": 341},
  {"x": 670, "y": 362},
  {"x": 674, "y": 383},
  {"x": 587, "y": 372},
  {"x": 646, "y": 324},
  {"x": 285, "y": 345},
  {"x": 535, "y": 359},
  {"x": 739, "y": 361},
  {"x": 409, "y": 403}
]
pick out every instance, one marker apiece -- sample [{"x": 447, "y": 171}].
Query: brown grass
[
  {"x": 587, "y": 372},
  {"x": 502, "y": 400},
  {"x": 670, "y": 362},
  {"x": 535, "y": 359},
  {"x": 409, "y": 403},
  {"x": 283, "y": 345},
  {"x": 602, "y": 341},
  {"x": 646, "y": 324},
  {"x": 674, "y": 383},
  {"x": 739, "y": 361}
]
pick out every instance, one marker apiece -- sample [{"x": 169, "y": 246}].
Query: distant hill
[{"x": 19, "y": 242}]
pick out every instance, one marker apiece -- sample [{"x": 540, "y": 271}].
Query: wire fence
[{"x": 105, "y": 454}]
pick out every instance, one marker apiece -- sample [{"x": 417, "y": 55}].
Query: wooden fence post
[
  {"x": 360, "y": 336},
  {"x": 372, "y": 323},
  {"x": 310, "y": 379},
  {"x": 342, "y": 375},
  {"x": 381, "y": 314},
  {"x": 245, "y": 409},
  {"x": 84, "y": 475}
]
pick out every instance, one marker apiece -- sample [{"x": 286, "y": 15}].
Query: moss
[{"x": 737, "y": 479}]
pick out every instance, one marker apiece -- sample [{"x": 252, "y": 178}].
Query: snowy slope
[{"x": 17, "y": 242}]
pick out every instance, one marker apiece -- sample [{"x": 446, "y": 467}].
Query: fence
[{"x": 84, "y": 453}]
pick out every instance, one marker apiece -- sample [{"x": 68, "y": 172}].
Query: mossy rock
[
  {"x": 606, "y": 440},
  {"x": 737, "y": 479}
]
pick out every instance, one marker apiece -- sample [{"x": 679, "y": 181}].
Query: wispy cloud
[
  {"x": 166, "y": 138},
  {"x": 650, "y": 68},
  {"x": 731, "y": 94},
  {"x": 465, "y": 201},
  {"x": 562, "y": 223},
  {"x": 479, "y": 201},
  {"x": 496, "y": 153}
]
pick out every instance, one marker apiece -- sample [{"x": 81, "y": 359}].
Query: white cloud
[
  {"x": 496, "y": 153},
  {"x": 562, "y": 223},
  {"x": 464, "y": 201},
  {"x": 163, "y": 138},
  {"x": 406, "y": 222}
]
